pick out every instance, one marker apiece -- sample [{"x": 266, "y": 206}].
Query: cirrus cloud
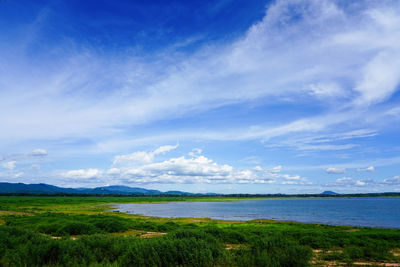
[
  {"x": 368, "y": 169},
  {"x": 39, "y": 152},
  {"x": 142, "y": 156},
  {"x": 329, "y": 51}
]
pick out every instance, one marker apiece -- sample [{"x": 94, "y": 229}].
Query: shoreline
[{"x": 247, "y": 218}]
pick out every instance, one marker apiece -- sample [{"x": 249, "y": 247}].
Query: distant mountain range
[
  {"x": 329, "y": 193},
  {"x": 46, "y": 189},
  {"x": 51, "y": 189}
]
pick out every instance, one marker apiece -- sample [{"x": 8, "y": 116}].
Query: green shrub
[{"x": 22, "y": 243}]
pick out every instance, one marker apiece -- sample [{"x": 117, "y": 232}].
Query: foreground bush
[
  {"x": 184, "y": 248},
  {"x": 30, "y": 241},
  {"x": 59, "y": 224}
]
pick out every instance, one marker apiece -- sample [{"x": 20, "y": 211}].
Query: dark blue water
[{"x": 373, "y": 212}]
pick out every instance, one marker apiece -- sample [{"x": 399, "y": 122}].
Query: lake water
[{"x": 373, "y": 212}]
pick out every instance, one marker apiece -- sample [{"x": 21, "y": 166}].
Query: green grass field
[{"x": 83, "y": 231}]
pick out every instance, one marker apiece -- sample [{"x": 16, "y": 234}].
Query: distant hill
[
  {"x": 33, "y": 188},
  {"x": 329, "y": 193},
  {"x": 21, "y": 188},
  {"x": 131, "y": 190},
  {"x": 51, "y": 189}
]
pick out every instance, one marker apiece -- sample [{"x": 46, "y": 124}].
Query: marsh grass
[{"x": 104, "y": 238}]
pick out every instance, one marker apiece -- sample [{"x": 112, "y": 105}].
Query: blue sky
[{"x": 226, "y": 96}]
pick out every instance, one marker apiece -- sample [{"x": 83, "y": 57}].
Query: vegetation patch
[
  {"x": 59, "y": 224},
  {"x": 69, "y": 233}
]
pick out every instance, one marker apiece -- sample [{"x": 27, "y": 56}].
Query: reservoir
[{"x": 371, "y": 212}]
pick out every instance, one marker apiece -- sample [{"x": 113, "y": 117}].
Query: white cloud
[
  {"x": 327, "y": 51},
  {"x": 276, "y": 169},
  {"x": 141, "y": 156},
  {"x": 294, "y": 180},
  {"x": 393, "y": 112},
  {"x": 323, "y": 141},
  {"x": 381, "y": 77},
  {"x": 200, "y": 169},
  {"x": 164, "y": 149},
  {"x": 327, "y": 147},
  {"x": 341, "y": 62},
  {"x": 32, "y": 156},
  {"x": 349, "y": 182},
  {"x": 395, "y": 180},
  {"x": 39, "y": 152},
  {"x": 18, "y": 175},
  {"x": 330, "y": 90},
  {"x": 114, "y": 171},
  {"x": 9, "y": 165},
  {"x": 333, "y": 170},
  {"x": 82, "y": 174},
  {"x": 368, "y": 169},
  {"x": 182, "y": 170},
  {"x": 195, "y": 151},
  {"x": 257, "y": 168}
]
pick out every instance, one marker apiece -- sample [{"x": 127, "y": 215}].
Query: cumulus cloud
[
  {"x": 141, "y": 156},
  {"x": 395, "y": 180},
  {"x": 294, "y": 180},
  {"x": 200, "y": 169},
  {"x": 183, "y": 170},
  {"x": 9, "y": 165},
  {"x": 349, "y": 182},
  {"x": 333, "y": 170}
]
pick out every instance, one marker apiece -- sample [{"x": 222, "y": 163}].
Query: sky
[{"x": 224, "y": 96}]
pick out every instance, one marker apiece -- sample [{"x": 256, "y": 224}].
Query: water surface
[{"x": 373, "y": 212}]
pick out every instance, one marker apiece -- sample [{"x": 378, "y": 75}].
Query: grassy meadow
[{"x": 83, "y": 231}]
